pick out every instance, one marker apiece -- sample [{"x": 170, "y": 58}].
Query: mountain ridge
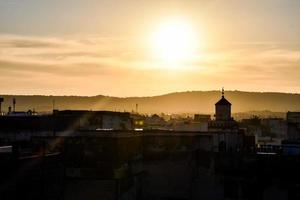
[{"x": 175, "y": 102}]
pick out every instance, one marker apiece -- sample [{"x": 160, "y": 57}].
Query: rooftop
[{"x": 223, "y": 101}]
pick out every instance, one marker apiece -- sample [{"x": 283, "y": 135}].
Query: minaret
[{"x": 223, "y": 109}]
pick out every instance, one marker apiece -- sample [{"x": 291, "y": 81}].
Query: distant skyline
[{"x": 78, "y": 47}]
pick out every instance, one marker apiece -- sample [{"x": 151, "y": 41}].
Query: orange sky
[{"x": 106, "y": 47}]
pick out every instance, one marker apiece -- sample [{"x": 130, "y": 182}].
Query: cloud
[
  {"x": 106, "y": 62},
  {"x": 59, "y": 53}
]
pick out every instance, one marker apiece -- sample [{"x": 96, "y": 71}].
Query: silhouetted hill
[{"x": 179, "y": 102}]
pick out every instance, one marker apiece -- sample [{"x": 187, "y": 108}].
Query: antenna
[
  {"x": 53, "y": 104},
  {"x": 136, "y": 108},
  {"x": 222, "y": 91},
  {"x": 14, "y": 104}
]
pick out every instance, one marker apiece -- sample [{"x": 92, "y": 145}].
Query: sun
[{"x": 174, "y": 41}]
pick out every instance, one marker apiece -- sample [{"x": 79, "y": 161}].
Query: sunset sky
[{"x": 148, "y": 47}]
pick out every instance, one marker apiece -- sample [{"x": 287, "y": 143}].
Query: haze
[{"x": 79, "y": 47}]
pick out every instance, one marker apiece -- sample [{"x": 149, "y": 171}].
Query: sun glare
[{"x": 174, "y": 41}]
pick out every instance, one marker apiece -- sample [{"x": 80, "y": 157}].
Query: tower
[{"x": 223, "y": 109}]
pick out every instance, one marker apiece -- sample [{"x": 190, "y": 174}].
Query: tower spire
[{"x": 222, "y": 92}]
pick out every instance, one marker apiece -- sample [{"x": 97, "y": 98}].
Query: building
[
  {"x": 291, "y": 146},
  {"x": 94, "y": 120},
  {"x": 23, "y": 125},
  {"x": 154, "y": 122},
  {"x": 198, "y": 124},
  {"x": 223, "y": 109},
  {"x": 293, "y": 125},
  {"x": 227, "y": 134},
  {"x": 201, "y": 118},
  {"x": 223, "y": 119},
  {"x": 276, "y": 126}
]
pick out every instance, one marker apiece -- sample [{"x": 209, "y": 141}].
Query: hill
[{"x": 179, "y": 102}]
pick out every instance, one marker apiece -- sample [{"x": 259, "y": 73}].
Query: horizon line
[{"x": 158, "y": 95}]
